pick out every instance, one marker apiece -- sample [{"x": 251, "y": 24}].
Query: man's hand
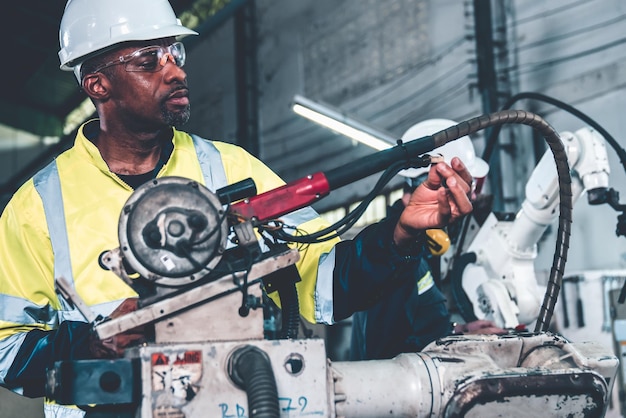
[
  {"x": 438, "y": 201},
  {"x": 113, "y": 347},
  {"x": 480, "y": 326}
]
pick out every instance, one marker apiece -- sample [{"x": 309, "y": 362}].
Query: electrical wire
[
  {"x": 344, "y": 224},
  {"x": 522, "y": 69},
  {"x": 412, "y": 72},
  {"x": 564, "y": 183},
  {"x": 449, "y": 95},
  {"x": 571, "y": 34},
  {"x": 493, "y": 137},
  {"x": 556, "y": 10},
  {"x": 443, "y": 79}
]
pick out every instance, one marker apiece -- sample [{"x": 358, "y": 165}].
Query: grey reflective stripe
[
  {"x": 210, "y": 163},
  {"x": 300, "y": 216},
  {"x": 24, "y": 311},
  {"x": 324, "y": 313},
  {"x": 8, "y": 350},
  {"x": 215, "y": 178},
  {"x": 48, "y": 185}
]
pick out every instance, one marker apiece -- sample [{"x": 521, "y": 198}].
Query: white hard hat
[
  {"x": 90, "y": 26},
  {"x": 462, "y": 148}
]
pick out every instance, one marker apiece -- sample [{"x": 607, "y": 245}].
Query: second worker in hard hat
[{"x": 410, "y": 317}]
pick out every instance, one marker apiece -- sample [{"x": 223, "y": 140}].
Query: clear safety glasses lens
[
  {"x": 153, "y": 58},
  {"x": 149, "y": 59}
]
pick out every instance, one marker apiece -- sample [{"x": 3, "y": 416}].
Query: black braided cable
[{"x": 565, "y": 191}]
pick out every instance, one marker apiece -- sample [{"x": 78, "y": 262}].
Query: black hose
[
  {"x": 284, "y": 282},
  {"x": 412, "y": 149},
  {"x": 290, "y": 309},
  {"x": 565, "y": 191},
  {"x": 250, "y": 368},
  {"x": 493, "y": 136},
  {"x": 458, "y": 294}
]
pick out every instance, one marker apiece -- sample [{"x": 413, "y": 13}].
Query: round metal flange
[{"x": 172, "y": 231}]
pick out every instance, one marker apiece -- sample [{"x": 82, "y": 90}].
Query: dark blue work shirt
[{"x": 405, "y": 320}]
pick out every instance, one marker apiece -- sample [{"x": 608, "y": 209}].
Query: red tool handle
[{"x": 288, "y": 198}]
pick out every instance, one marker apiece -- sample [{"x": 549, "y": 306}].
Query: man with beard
[{"x": 126, "y": 56}]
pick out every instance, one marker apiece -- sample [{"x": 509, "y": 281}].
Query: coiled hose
[{"x": 250, "y": 368}]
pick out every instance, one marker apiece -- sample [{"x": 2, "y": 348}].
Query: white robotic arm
[{"x": 501, "y": 284}]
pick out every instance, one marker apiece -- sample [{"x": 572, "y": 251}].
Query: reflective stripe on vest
[
  {"x": 48, "y": 185},
  {"x": 210, "y": 163},
  {"x": 215, "y": 178}
]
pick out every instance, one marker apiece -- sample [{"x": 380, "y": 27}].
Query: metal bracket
[
  {"x": 67, "y": 292},
  {"x": 194, "y": 296}
]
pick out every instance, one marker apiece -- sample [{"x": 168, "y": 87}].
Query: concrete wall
[
  {"x": 389, "y": 63},
  {"x": 574, "y": 51},
  {"x": 397, "y": 62}
]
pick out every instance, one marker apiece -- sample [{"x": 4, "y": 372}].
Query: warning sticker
[
  {"x": 159, "y": 359},
  {"x": 177, "y": 373},
  {"x": 189, "y": 357}
]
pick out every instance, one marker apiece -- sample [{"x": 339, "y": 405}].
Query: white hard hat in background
[
  {"x": 90, "y": 26},
  {"x": 462, "y": 148}
]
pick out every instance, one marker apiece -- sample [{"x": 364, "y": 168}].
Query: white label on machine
[{"x": 179, "y": 373}]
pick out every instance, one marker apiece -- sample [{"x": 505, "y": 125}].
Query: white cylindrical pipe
[{"x": 400, "y": 387}]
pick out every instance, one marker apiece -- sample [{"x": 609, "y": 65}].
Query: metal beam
[
  {"x": 246, "y": 73},
  {"x": 488, "y": 86}
]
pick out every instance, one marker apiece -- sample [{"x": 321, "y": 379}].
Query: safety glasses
[{"x": 149, "y": 59}]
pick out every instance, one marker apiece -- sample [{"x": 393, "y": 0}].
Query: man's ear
[{"x": 96, "y": 85}]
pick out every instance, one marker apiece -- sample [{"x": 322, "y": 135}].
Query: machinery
[
  {"x": 194, "y": 256},
  {"x": 496, "y": 271}
]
